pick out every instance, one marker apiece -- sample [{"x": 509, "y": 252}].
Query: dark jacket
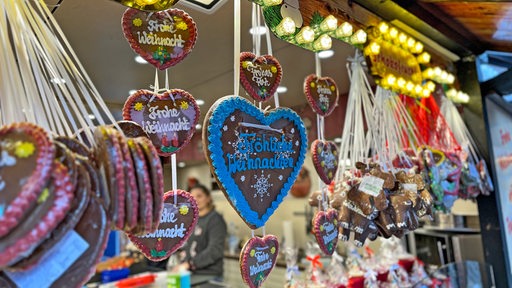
[{"x": 204, "y": 250}]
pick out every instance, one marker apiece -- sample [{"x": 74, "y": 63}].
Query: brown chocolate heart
[
  {"x": 325, "y": 229},
  {"x": 257, "y": 259},
  {"x": 325, "y": 159},
  {"x": 169, "y": 119},
  {"x": 322, "y": 94},
  {"x": 255, "y": 157},
  {"x": 162, "y": 38},
  {"x": 260, "y": 76},
  {"x": 178, "y": 220}
]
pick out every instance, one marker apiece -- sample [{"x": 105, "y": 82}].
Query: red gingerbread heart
[
  {"x": 325, "y": 159},
  {"x": 325, "y": 229},
  {"x": 257, "y": 259},
  {"x": 162, "y": 38},
  {"x": 260, "y": 76},
  {"x": 169, "y": 119},
  {"x": 322, "y": 94},
  {"x": 179, "y": 217}
]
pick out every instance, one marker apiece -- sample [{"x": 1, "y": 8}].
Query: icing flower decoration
[
  {"x": 333, "y": 88},
  {"x": 138, "y": 106},
  {"x": 245, "y": 64},
  {"x": 253, "y": 252},
  {"x": 184, "y": 210},
  {"x": 312, "y": 84},
  {"x": 44, "y": 195},
  {"x": 181, "y": 26},
  {"x": 137, "y": 22},
  {"x": 273, "y": 250},
  {"x": 177, "y": 19},
  {"x": 24, "y": 149},
  {"x": 184, "y": 105},
  {"x": 273, "y": 69}
]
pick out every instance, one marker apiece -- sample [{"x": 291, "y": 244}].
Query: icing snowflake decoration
[
  {"x": 240, "y": 145},
  {"x": 262, "y": 186},
  {"x": 242, "y": 178}
]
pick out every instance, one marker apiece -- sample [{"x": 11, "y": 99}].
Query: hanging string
[
  {"x": 263, "y": 231},
  {"x": 166, "y": 79},
  {"x": 252, "y": 233},
  {"x": 236, "y": 61},
  {"x": 174, "y": 178}
]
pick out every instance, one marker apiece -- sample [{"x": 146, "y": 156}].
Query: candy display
[
  {"x": 162, "y": 38},
  {"x": 169, "y": 118},
  {"x": 260, "y": 76},
  {"x": 254, "y": 156}
]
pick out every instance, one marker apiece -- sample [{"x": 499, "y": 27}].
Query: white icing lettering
[
  {"x": 260, "y": 75},
  {"x": 153, "y": 25},
  {"x": 153, "y": 39},
  {"x": 155, "y": 113},
  {"x": 176, "y": 232},
  {"x": 330, "y": 236},
  {"x": 168, "y": 216},
  {"x": 153, "y": 127},
  {"x": 255, "y": 269}
]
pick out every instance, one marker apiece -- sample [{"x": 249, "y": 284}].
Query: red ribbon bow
[{"x": 315, "y": 261}]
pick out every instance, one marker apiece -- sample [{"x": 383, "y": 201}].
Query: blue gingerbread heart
[{"x": 255, "y": 156}]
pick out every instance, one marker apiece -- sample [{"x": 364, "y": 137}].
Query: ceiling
[{"x": 93, "y": 27}]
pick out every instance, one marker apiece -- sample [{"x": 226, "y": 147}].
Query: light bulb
[
  {"x": 305, "y": 35},
  {"x": 373, "y": 48},
  {"x": 463, "y": 97},
  {"x": 272, "y": 2},
  {"x": 444, "y": 76},
  {"x": 418, "y": 48},
  {"x": 393, "y": 33},
  {"x": 437, "y": 71},
  {"x": 418, "y": 89},
  {"x": 383, "y": 27},
  {"x": 450, "y": 79},
  {"x": 402, "y": 38},
  {"x": 391, "y": 79},
  {"x": 400, "y": 82},
  {"x": 410, "y": 43},
  {"x": 330, "y": 23},
  {"x": 359, "y": 37},
  {"x": 451, "y": 93},
  {"x": 428, "y": 73},
  {"x": 425, "y": 93},
  {"x": 424, "y": 58},
  {"x": 286, "y": 27},
  {"x": 323, "y": 42},
  {"x": 430, "y": 86},
  {"x": 409, "y": 86},
  {"x": 345, "y": 30}
]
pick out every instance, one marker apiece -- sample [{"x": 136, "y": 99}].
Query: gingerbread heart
[
  {"x": 162, "y": 38},
  {"x": 154, "y": 5},
  {"x": 257, "y": 259},
  {"x": 325, "y": 229},
  {"x": 26, "y": 159},
  {"x": 179, "y": 217},
  {"x": 260, "y": 76},
  {"x": 255, "y": 157},
  {"x": 322, "y": 94},
  {"x": 325, "y": 159},
  {"x": 169, "y": 119}
]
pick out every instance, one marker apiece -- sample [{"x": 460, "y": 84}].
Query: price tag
[
  {"x": 371, "y": 185},
  {"x": 410, "y": 187},
  {"x": 57, "y": 260}
]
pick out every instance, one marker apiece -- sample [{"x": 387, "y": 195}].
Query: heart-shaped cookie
[
  {"x": 169, "y": 119},
  {"x": 325, "y": 159},
  {"x": 257, "y": 259},
  {"x": 325, "y": 229},
  {"x": 322, "y": 94},
  {"x": 162, "y": 38},
  {"x": 255, "y": 157},
  {"x": 26, "y": 158},
  {"x": 260, "y": 76},
  {"x": 179, "y": 217},
  {"x": 154, "y": 5}
]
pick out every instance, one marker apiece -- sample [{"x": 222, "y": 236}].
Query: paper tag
[
  {"x": 371, "y": 185},
  {"x": 410, "y": 187},
  {"x": 53, "y": 264}
]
